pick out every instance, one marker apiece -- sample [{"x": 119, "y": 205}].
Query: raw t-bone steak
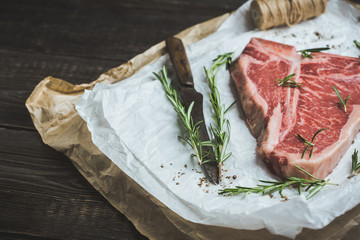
[{"x": 276, "y": 114}]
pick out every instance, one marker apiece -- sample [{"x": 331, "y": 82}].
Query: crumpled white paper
[{"x": 134, "y": 124}]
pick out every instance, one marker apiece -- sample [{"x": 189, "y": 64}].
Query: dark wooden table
[{"x": 41, "y": 193}]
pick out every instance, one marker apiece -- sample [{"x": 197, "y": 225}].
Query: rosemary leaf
[
  {"x": 309, "y": 144},
  {"x": 311, "y": 152},
  {"x": 343, "y": 103},
  {"x": 303, "y": 154},
  {"x": 307, "y": 173},
  {"x": 307, "y": 52},
  {"x": 315, "y": 49},
  {"x": 314, "y": 185},
  {"x": 288, "y": 82},
  {"x": 314, "y": 191},
  {"x": 357, "y": 44},
  {"x": 302, "y": 138},
  {"x": 317, "y": 132}
]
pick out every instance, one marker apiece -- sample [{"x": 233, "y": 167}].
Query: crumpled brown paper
[{"x": 52, "y": 108}]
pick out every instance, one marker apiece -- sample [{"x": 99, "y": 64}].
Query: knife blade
[{"x": 185, "y": 86}]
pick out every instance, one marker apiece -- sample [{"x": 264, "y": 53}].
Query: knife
[{"x": 188, "y": 94}]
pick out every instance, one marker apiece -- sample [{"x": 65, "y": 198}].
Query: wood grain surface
[{"x": 42, "y": 196}]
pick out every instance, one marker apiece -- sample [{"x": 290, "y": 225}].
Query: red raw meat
[{"x": 276, "y": 114}]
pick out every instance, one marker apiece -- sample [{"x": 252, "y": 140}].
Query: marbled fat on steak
[{"x": 276, "y": 114}]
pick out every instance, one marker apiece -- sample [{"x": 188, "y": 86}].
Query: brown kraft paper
[{"x": 52, "y": 109}]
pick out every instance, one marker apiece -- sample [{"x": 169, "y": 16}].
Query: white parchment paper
[{"x": 134, "y": 124}]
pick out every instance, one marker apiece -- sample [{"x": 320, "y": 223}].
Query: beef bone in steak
[{"x": 276, "y": 114}]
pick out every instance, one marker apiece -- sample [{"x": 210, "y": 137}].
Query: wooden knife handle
[{"x": 180, "y": 61}]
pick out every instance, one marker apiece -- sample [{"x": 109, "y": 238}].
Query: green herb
[
  {"x": 341, "y": 99},
  {"x": 288, "y": 82},
  {"x": 221, "y": 130},
  {"x": 307, "y": 52},
  {"x": 186, "y": 120},
  {"x": 270, "y": 187},
  {"x": 310, "y": 143},
  {"x": 357, "y": 44},
  {"x": 355, "y": 167}
]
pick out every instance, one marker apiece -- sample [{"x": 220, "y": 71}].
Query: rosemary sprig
[
  {"x": 269, "y": 187},
  {"x": 355, "y": 162},
  {"x": 307, "y": 52},
  {"x": 341, "y": 99},
  {"x": 288, "y": 82},
  {"x": 310, "y": 143},
  {"x": 355, "y": 165},
  {"x": 221, "y": 130},
  {"x": 357, "y": 44},
  {"x": 185, "y": 115}
]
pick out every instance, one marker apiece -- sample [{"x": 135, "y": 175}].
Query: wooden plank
[
  {"x": 21, "y": 72},
  {"x": 48, "y": 215},
  {"x": 117, "y": 30},
  {"x": 42, "y": 194},
  {"x": 13, "y": 113},
  {"x": 15, "y": 236}
]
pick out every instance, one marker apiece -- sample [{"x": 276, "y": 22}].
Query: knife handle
[{"x": 180, "y": 61}]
